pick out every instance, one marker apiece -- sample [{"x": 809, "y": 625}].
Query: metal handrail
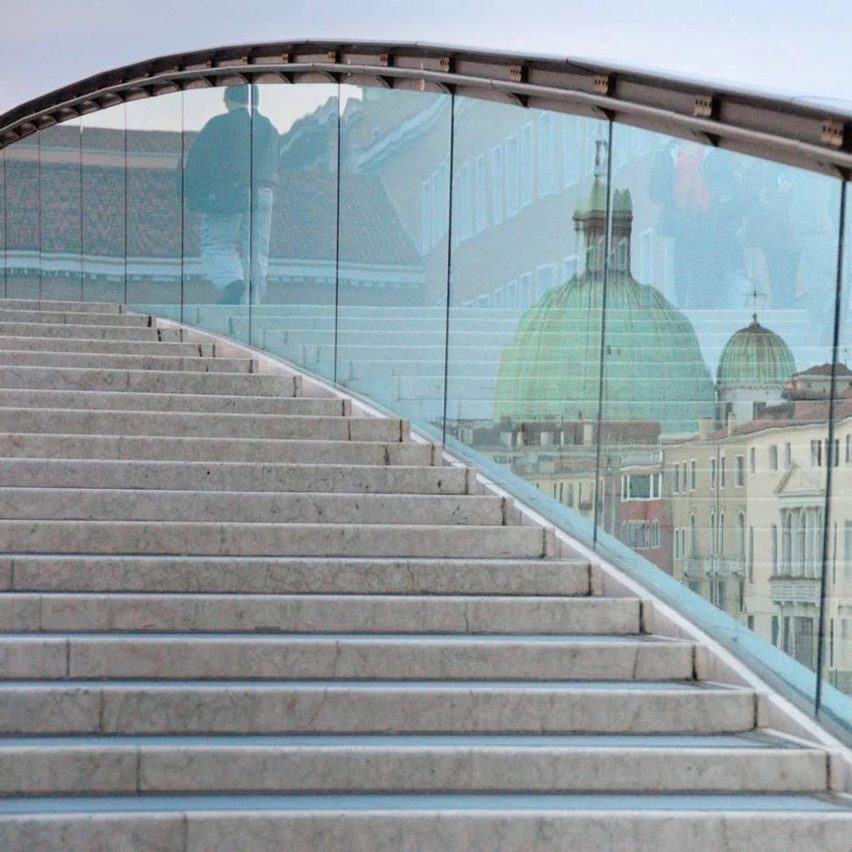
[{"x": 801, "y": 134}]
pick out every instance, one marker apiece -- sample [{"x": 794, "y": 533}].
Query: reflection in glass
[
  {"x": 294, "y": 225},
  {"x": 837, "y": 619},
  {"x": 709, "y": 373},
  {"x": 217, "y": 207},
  {"x": 154, "y": 204},
  {"x": 3, "y": 221},
  {"x": 23, "y": 216},
  {"x": 104, "y": 202},
  {"x": 529, "y": 225},
  {"x": 59, "y": 189},
  {"x": 394, "y": 221}
]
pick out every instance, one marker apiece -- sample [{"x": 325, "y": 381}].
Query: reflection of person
[{"x": 230, "y": 178}]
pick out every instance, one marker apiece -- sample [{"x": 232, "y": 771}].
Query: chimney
[{"x": 705, "y": 425}]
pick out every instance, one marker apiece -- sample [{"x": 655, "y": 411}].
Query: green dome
[
  {"x": 755, "y": 356},
  {"x": 654, "y": 369}
]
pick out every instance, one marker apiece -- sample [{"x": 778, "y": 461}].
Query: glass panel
[
  {"x": 525, "y": 321},
  {"x": 3, "y": 221},
  {"x": 836, "y": 696},
  {"x": 104, "y": 204},
  {"x": 394, "y": 202},
  {"x": 22, "y": 219},
  {"x": 719, "y": 310},
  {"x": 59, "y": 185},
  {"x": 217, "y": 201},
  {"x": 294, "y": 221},
  {"x": 153, "y": 205}
]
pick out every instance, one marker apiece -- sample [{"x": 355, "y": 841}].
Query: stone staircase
[{"x": 238, "y": 615}]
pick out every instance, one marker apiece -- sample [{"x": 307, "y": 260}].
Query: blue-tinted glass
[
  {"x": 59, "y": 188},
  {"x": 104, "y": 205},
  {"x": 719, "y": 317},
  {"x": 836, "y": 697},
  {"x": 153, "y": 265},
  {"x": 217, "y": 208},
  {"x": 22, "y": 219},
  {"x": 525, "y": 319},
  {"x": 294, "y": 221},
  {"x": 394, "y": 221}
]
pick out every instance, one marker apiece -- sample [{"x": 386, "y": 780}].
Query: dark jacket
[{"x": 229, "y": 153}]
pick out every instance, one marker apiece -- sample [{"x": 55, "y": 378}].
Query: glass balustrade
[{"x": 645, "y": 337}]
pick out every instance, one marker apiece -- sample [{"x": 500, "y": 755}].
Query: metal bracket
[
  {"x": 602, "y": 83},
  {"x": 704, "y": 106},
  {"x": 832, "y": 134}
]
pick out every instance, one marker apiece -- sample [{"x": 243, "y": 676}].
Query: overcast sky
[{"x": 798, "y": 47}]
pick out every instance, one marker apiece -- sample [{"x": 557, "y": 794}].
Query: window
[
  {"x": 722, "y": 472},
  {"x": 848, "y": 449},
  {"x": 739, "y": 475},
  {"x": 752, "y": 460},
  {"x": 750, "y": 622},
  {"x": 773, "y": 457},
  {"x": 775, "y": 630},
  {"x": 683, "y": 475},
  {"x": 544, "y": 279},
  {"x": 712, "y": 473},
  {"x": 788, "y": 455},
  {"x": 546, "y": 153},
  {"x": 712, "y": 533},
  {"x": 693, "y": 474},
  {"x": 512, "y": 176},
  {"x": 741, "y": 537},
  {"x": 640, "y": 486},
  {"x": 773, "y": 548},
  {"x": 480, "y": 209},
  {"x": 721, "y": 550},
  {"x": 676, "y": 486},
  {"x": 497, "y": 184},
  {"x": 693, "y": 542},
  {"x": 750, "y": 555},
  {"x": 464, "y": 204},
  {"x": 655, "y": 533},
  {"x": 847, "y": 549},
  {"x": 527, "y": 165},
  {"x": 816, "y": 453},
  {"x": 835, "y": 457}
]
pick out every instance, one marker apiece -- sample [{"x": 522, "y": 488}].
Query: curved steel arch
[{"x": 789, "y": 131}]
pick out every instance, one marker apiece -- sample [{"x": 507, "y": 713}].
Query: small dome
[{"x": 755, "y": 356}]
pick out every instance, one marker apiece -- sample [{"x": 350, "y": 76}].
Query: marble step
[
  {"x": 343, "y": 655},
  {"x": 233, "y": 539},
  {"x": 252, "y": 507},
  {"x": 132, "y": 401},
  {"x": 745, "y": 763},
  {"x": 325, "y": 613},
  {"x": 76, "y": 318},
  {"x": 144, "y": 332},
  {"x": 163, "y": 448},
  {"x": 75, "y": 307},
  {"x": 428, "y": 823},
  {"x": 149, "y": 381},
  {"x": 107, "y": 347},
  {"x": 71, "y": 421},
  {"x": 270, "y": 575},
  {"x": 85, "y": 360},
  {"x": 280, "y": 707},
  {"x": 232, "y": 476}
]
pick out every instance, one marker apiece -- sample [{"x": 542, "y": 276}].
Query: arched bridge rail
[{"x": 798, "y": 133}]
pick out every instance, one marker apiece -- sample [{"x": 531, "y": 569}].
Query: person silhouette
[{"x": 230, "y": 178}]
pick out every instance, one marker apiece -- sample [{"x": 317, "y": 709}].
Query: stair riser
[
  {"x": 121, "y": 537},
  {"x": 74, "y": 474},
  {"x": 264, "y": 708},
  {"x": 383, "y": 831},
  {"x": 146, "y": 381},
  {"x": 319, "y": 614},
  {"x": 96, "y": 361},
  {"x": 144, "y": 423},
  {"x": 213, "y": 449},
  {"x": 66, "y": 504},
  {"x": 333, "y": 576},
  {"x": 108, "y": 769},
  {"x": 319, "y": 659},
  {"x": 128, "y": 401},
  {"x": 108, "y": 347},
  {"x": 82, "y": 330},
  {"x": 74, "y": 307},
  {"x": 11, "y": 315}
]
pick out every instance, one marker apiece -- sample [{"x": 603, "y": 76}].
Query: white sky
[{"x": 799, "y": 47}]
